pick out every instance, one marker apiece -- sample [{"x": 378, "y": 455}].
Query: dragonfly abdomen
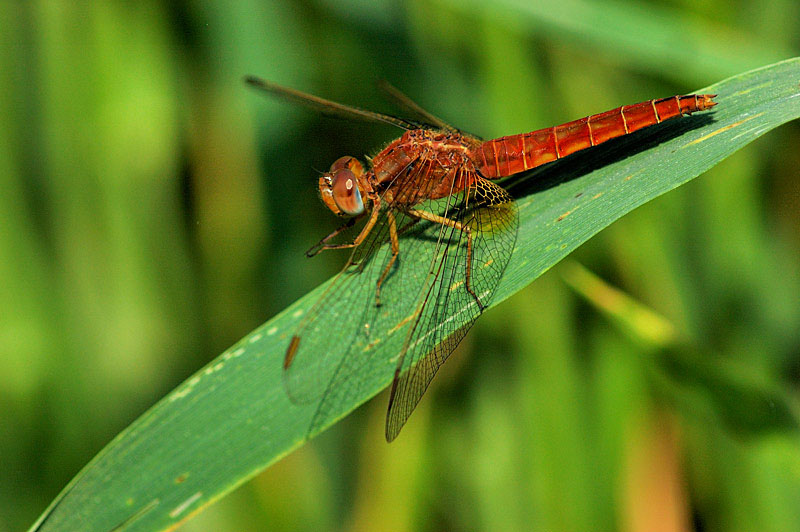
[{"x": 509, "y": 155}]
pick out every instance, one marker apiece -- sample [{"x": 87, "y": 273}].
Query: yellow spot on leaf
[
  {"x": 723, "y": 129},
  {"x": 566, "y": 214},
  {"x": 751, "y": 89},
  {"x": 403, "y": 322},
  {"x": 372, "y": 344},
  {"x": 186, "y": 389},
  {"x": 178, "y": 510}
]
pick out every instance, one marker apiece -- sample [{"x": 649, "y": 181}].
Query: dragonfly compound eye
[
  {"x": 344, "y": 188},
  {"x": 351, "y": 163}
]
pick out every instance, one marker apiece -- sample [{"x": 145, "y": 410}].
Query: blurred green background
[{"x": 154, "y": 210}]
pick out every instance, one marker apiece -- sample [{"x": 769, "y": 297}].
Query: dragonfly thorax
[{"x": 344, "y": 187}]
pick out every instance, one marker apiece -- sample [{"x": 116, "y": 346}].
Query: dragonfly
[{"x": 430, "y": 234}]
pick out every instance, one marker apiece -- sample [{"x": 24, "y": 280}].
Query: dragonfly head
[{"x": 342, "y": 186}]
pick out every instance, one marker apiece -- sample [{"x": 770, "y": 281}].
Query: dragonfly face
[{"x": 344, "y": 187}]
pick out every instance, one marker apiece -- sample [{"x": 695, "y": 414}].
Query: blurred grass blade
[
  {"x": 232, "y": 419},
  {"x": 642, "y": 323},
  {"x": 738, "y": 393}
]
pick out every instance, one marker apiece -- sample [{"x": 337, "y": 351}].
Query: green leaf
[{"x": 233, "y": 418}]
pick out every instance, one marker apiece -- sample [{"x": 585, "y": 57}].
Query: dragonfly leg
[
  {"x": 373, "y": 218},
  {"x": 322, "y": 244},
  {"x": 460, "y": 227},
  {"x": 395, "y": 251}
]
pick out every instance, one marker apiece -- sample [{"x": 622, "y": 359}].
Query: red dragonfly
[{"x": 434, "y": 187}]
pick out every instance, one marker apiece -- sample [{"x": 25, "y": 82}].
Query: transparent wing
[
  {"x": 327, "y": 107},
  {"x": 467, "y": 265},
  {"x": 404, "y": 102}
]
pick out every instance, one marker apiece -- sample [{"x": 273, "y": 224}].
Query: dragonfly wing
[
  {"x": 404, "y": 102},
  {"x": 327, "y": 107},
  {"x": 450, "y": 305}
]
